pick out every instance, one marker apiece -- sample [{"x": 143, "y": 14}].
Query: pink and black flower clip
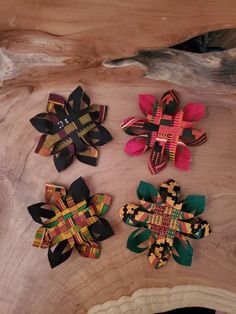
[{"x": 166, "y": 131}]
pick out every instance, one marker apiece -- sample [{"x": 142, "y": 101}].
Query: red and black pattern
[{"x": 165, "y": 131}]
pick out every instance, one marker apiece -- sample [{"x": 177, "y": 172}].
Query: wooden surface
[
  {"x": 156, "y": 300},
  {"x": 54, "y": 47},
  {"x": 212, "y": 72}
]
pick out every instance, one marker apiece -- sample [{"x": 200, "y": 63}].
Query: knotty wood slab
[{"x": 54, "y": 47}]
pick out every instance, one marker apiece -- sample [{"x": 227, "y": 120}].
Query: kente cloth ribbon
[
  {"x": 164, "y": 222},
  {"x": 71, "y": 129},
  {"x": 71, "y": 219},
  {"x": 166, "y": 131}
]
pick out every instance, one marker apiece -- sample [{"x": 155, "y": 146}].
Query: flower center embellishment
[
  {"x": 71, "y": 219},
  {"x": 71, "y": 129},
  {"x": 166, "y": 131},
  {"x": 164, "y": 222}
]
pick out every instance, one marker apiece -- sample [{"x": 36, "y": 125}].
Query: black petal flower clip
[{"x": 71, "y": 129}]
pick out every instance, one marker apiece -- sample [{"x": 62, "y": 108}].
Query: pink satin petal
[
  {"x": 135, "y": 146},
  {"x": 146, "y": 102},
  {"x": 182, "y": 157},
  {"x": 194, "y": 112}
]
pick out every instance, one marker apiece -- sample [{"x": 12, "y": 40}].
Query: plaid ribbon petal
[{"x": 164, "y": 222}]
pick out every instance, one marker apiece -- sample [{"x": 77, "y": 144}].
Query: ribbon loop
[
  {"x": 60, "y": 254},
  {"x": 136, "y": 238},
  {"x": 38, "y": 211}
]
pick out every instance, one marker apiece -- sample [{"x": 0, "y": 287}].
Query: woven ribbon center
[
  {"x": 165, "y": 221},
  {"x": 71, "y": 221}
]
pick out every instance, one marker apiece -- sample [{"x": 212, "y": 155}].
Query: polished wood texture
[{"x": 54, "y": 46}]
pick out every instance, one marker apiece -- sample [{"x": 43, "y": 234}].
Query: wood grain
[
  {"x": 54, "y": 47},
  {"x": 210, "y": 72},
  {"x": 156, "y": 300}
]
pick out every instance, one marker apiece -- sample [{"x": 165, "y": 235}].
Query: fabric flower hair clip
[
  {"x": 164, "y": 222},
  {"x": 71, "y": 219},
  {"x": 166, "y": 131},
  {"x": 71, "y": 129}
]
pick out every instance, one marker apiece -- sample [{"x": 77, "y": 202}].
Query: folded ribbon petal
[
  {"x": 136, "y": 238},
  {"x": 146, "y": 103},
  {"x": 136, "y": 146},
  {"x": 100, "y": 203},
  {"x": 91, "y": 250},
  {"x": 147, "y": 192},
  {"x": 159, "y": 252},
  {"x": 194, "y": 112},
  {"x": 182, "y": 157}
]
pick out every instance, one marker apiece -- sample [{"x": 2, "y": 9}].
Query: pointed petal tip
[
  {"x": 135, "y": 146},
  {"x": 194, "y": 112},
  {"x": 146, "y": 103},
  {"x": 183, "y": 158}
]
